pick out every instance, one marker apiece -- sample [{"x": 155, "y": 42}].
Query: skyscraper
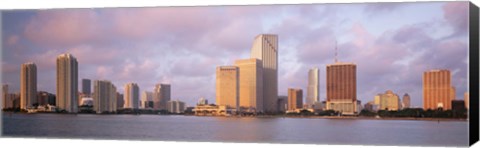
[
  {"x": 250, "y": 84},
  {"x": 28, "y": 85},
  {"x": 104, "y": 96},
  {"x": 132, "y": 93},
  {"x": 466, "y": 98},
  {"x": 452, "y": 93},
  {"x": 120, "y": 101},
  {"x": 86, "y": 87},
  {"x": 342, "y": 87},
  {"x": 161, "y": 95},
  {"x": 227, "y": 91},
  {"x": 406, "y": 101},
  {"x": 6, "y": 99},
  {"x": 282, "y": 103},
  {"x": 265, "y": 48},
  {"x": 437, "y": 89},
  {"x": 295, "y": 99},
  {"x": 313, "y": 94},
  {"x": 67, "y": 83},
  {"x": 147, "y": 98}
]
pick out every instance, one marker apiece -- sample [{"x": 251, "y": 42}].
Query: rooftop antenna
[{"x": 336, "y": 60}]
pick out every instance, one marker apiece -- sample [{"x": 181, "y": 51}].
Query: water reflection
[{"x": 232, "y": 129}]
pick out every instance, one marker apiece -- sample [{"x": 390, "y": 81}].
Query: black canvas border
[{"x": 473, "y": 73}]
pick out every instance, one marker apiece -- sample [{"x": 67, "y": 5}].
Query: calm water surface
[{"x": 251, "y": 130}]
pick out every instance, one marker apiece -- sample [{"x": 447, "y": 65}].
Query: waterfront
[{"x": 233, "y": 129}]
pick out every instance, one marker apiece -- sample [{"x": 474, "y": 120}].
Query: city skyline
[{"x": 389, "y": 57}]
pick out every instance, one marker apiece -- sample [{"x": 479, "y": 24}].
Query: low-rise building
[
  {"x": 388, "y": 101},
  {"x": 458, "y": 105},
  {"x": 213, "y": 110},
  {"x": 371, "y": 106},
  {"x": 319, "y": 106},
  {"x": 176, "y": 106},
  {"x": 46, "y": 108}
]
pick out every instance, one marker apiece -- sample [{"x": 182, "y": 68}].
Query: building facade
[
  {"x": 282, "y": 103},
  {"x": 14, "y": 100},
  {"x": 295, "y": 99},
  {"x": 437, "y": 90},
  {"x": 212, "y": 110},
  {"x": 147, "y": 99},
  {"x": 45, "y": 98},
  {"x": 389, "y": 101},
  {"x": 342, "y": 87},
  {"x": 202, "y": 101},
  {"x": 313, "y": 88},
  {"x": 131, "y": 96},
  {"x": 161, "y": 95},
  {"x": 6, "y": 101},
  {"x": 371, "y": 106},
  {"x": 176, "y": 106},
  {"x": 458, "y": 105},
  {"x": 67, "y": 83},
  {"x": 250, "y": 84},
  {"x": 227, "y": 86},
  {"x": 87, "y": 87},
  {"x": 104, "y": 96},
  {"x": 452, "y": 93},
  {"x": 28, "y": 85},
  {"x": 466, "y": 98},
  {"x": 265, "y": 48},
  {"x": 406, "y": 101},
  {"x": 120, "y": 101}
]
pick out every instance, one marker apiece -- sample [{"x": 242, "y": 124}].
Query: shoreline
[{"x": 268, "y": 116}]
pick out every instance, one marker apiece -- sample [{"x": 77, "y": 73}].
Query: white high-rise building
[
  {"x": 67, "y": 83},
  {"x": 28, "y": 85},
  {"x": 313, "y": 89},
  {"x": 161, "y": 95},
  {"x": 104, "y": 96},
  {"x": 132, "y": 93},
  {"x": 265, "y": 48}
]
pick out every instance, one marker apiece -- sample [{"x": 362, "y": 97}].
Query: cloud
[
  {"x": 62, "y": 28},
  {"x": 456, "y": 14},
  {"x": 12, "y": 40},
  {"x": 383, "y": 8},
  {"x": 183, "y": 45}
]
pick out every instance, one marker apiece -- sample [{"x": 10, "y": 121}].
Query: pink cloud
[
  {"x": 62, "y": 28},
  {"x": 163, "y": 22},
  {"x": 457, "y": 15},
  {"x": 90, "y": 55},
  {"x": 12, "y": 40},
  {"x": 104, "y": 72},
  {"x": 362, "y": 37}
]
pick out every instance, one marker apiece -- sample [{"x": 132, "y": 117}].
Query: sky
[{"x": 391, "y": 43}]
